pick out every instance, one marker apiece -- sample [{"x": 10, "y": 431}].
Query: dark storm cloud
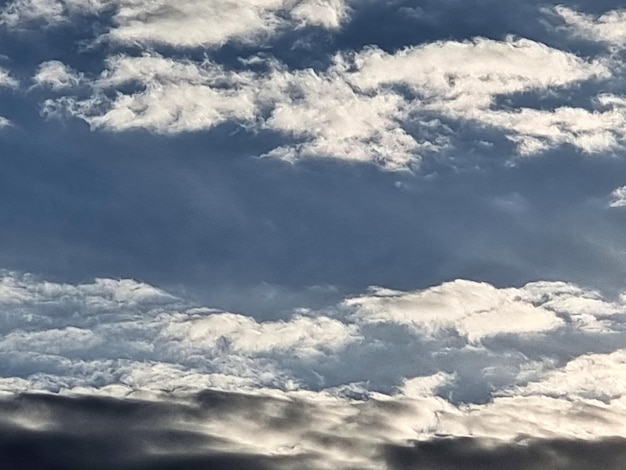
[
  {"x": 51, "y": 432},
  {"x": 101, "y": 433},
  {"x": 475, "y": 454}
]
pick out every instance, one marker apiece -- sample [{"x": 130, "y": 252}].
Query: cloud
[
  {"x": 178, "y": 96},
  {"x": 334, "y": 120},
  {"x": 320, "y": 110},
  {"x": 23, "y": 11},
  {"x": 592, "y": 376},
  {"x": 125, "y": 337},
  {"x": 475, "y": 454},
  {"x": 206, "y": 23},
  {"x": 465, "y": 85},
  {"x": 609, "y": 28},
  {"x": 475, "y": 310},
  {"x": 219, "y": 379},
  {"x": 368, "y": 106},
  {"x": 57, "y": 76},
  {"x": 300, "y": 431},
  {"x": 245, "y": 335},
  {"x": 7, "y": 81},
  {"x": 618, "y": 197}
]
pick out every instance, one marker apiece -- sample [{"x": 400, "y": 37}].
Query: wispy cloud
[{"x": 609, "y": 27}]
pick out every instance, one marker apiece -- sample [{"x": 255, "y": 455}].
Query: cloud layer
[
  {"x": 397, "y": 365},
  {"x": 392, "y": 108}
]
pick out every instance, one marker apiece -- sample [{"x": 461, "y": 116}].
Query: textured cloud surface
[
  {"x": 128, "y": 339},
  {"x": 367, "y": 105},
  {"x": 206, "y": 23},
  {"x": 354, "y": 110}
]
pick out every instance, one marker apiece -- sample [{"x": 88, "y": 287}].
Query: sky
[{"x": 312, "y": 234}]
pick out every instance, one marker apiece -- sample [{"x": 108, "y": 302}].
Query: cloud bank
[{"x": 421, "y": 354}]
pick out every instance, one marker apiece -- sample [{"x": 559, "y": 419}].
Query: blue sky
[{"x": 321, "y": 201}]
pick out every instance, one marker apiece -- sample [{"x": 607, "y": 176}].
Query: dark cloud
[
  {"x": 52, "y": 432},
  {"x": 476, "y": 454},
  {"x": 103, "y": 433}
]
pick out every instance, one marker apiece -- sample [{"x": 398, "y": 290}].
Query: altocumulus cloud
[
  {"x": 206, "y": 23},
  {"x": 392, "y": 108}
]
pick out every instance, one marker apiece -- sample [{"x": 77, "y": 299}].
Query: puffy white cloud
[
  {"x": 475, "y": 310},
  {"x": 176, "y": 96},
  {"x": 21, "y": 11},
  {"x": 94, "y": 335},
  {"x": 355, "y": 110},
  {"x": 618, "y": 197},
  {"x": 54, "y": 341},
  {"x": 101, "y": 295},
  {"x": 472, "y": 73},
  {"x": 609, "y": 27},
  {"x": 461, "y": 80},
  {"x": 330, "y": 14},
  {"x": 321, "y": 111},
  {"x": 244, "y": 335},
  {"x": 591, "y": 376},
  {"x": 57, "y": 76},
  {"x": 205, "y": 22},
  {"x": 511, "y": 418},
  {"x": 335, "y": 120},
  {"x": 6, "y": 80}
]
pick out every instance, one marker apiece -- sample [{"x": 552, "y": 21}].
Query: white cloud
[
  {"x": 334, "y": 120},
  {"x": 475, "y": 310},
  {"x": 21, "y": 11},
  {"x": 57, "y": 76},
  {"x": 330, "y": 14},
  {"x": 354, "y": 110},
  {"x": 175, "y": 96},
  {"x": 542, "y": 417},
  {"x": 6, "y": 80},
  {"x": 471, "y": 73},
  {"x": 208, "y": 23},
  {"x": 592, "y": 376},
  {"x": 322, "y": 112},
  {"x": 101, "y": 295},
  {"x": 300, "y": 335},
  {"x": 618, "y": 197},
  {"x": 461, "y": 80},
  {"x": 609, "y": 27}
]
